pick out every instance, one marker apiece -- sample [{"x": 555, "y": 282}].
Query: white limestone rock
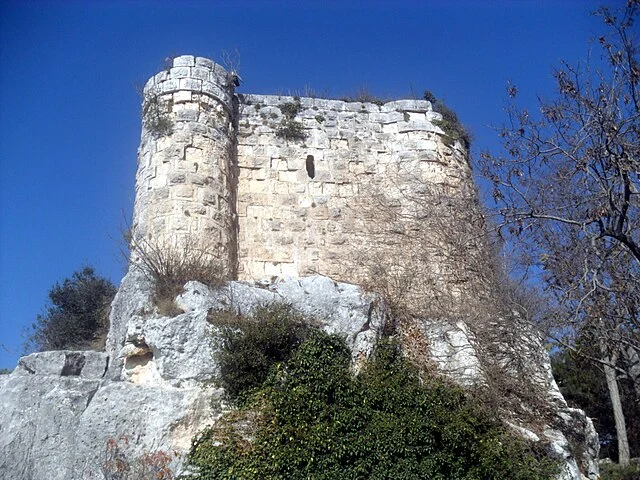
[
  {"x": 133, "y": 299},
  {"x": 341, "y": 308},
  {"x": 174, "y": 351},
  {"x": 59, "y": 409},
  {"x": 453, "y": 352}
]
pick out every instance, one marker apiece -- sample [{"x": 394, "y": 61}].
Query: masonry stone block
[
  {"x": 182, "y": 96},
  {"x": 170, "y": 85},
  {"x": 160, "y": 77},
  {"x": 180, "y": 72},
  {"x": 184, "y": 61}
]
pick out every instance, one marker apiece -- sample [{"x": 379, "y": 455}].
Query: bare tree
[
  {"x": 430, "y": 255},
  {"x": 568, "y": 192}
]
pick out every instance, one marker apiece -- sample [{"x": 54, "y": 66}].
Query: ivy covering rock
[{"x": 314, "y": 418}]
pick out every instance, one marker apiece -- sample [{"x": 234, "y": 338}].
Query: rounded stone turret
[{"x": 185, "y": 192}]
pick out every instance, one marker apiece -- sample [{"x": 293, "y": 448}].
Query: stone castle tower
[{"x": 287, "y": 186}]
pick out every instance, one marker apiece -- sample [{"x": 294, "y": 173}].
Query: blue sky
[{"x": 69, "y": 111}]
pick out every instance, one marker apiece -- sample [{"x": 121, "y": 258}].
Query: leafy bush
[
  {"x": 76, "y": 316},
  {"x": 450, "y": 123},
  {"x": 290, "y": 109},
  {"x": 613, "y": 471},
  {"x": 314, "y": 419},
  {"x": 247, "y": 347},
  {"x": 291, "y": 129}
]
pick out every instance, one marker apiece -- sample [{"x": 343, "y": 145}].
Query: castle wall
[
  {"x": 371, "y": 165},
  {"x": 277, "y": 186}
]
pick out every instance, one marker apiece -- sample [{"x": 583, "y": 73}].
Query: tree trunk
[
  {"x": 621, "y": 428},
  {"x": 632, "y": 360}
]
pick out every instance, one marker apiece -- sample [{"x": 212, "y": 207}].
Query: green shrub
[
  {"x": 613, "y": 471},
  {"x": 76, "y": 316},
  {"x": 453, "y": 128},
  {"x": 314, "y": 419},
  {"x": 291, "y": 129},
  {"x": 290, "y": 109},
  {"x": 247, "y": 347}
]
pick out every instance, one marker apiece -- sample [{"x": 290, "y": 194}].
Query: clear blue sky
[{"x": 69, "y": 111}]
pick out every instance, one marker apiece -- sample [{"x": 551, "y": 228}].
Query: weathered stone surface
[
  {"x": 57, "y": 428},
  {"x": 340, "y": 308},
  {"x": 357, "y": 145},
  {"x": 453, "y": 352},
  {"x": 133, "y": 298},
  {"x": 173, "y": 351},
  {"x": 39, "y": 418},
  {"x": 65, "y": 363},
  {"x": 59, "y": 409}
]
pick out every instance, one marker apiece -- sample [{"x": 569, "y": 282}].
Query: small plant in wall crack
[
  {"x": 290, "y": 128},
  {"x": 156, "y": 118},
  {"x": 453, "y": 128},
  {"x": 119, "y": 465}
]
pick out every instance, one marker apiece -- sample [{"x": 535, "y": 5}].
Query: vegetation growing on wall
[
  {"x": 155, "y": 116},
  {"x": 365, "y": 96},
  {"x": 290, "y": 128},
  {"x": 118, "y": 464},
  {"x": 171, "y": 263},
  {"x": 313, "y": 418},
  {"x": 450, "y": 123}
]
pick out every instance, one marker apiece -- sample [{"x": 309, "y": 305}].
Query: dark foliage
[
  {"x": 290, "y": 128},
  {"x": 450, "y": 123},
  {"x": 77, "y": 314},
  {"x": 247, "y": 347},
  {"x": 584, "y": 386},
  {"x": 612, "y": 471},
  {"x": 314, "y": 419}
]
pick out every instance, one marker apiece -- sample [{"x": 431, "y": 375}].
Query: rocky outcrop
[{"x": 153, "y": 389}]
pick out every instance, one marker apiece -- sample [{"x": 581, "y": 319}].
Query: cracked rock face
[
  {"x": 340, "y": 308},
  {"x": 153, "y": 387}
]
